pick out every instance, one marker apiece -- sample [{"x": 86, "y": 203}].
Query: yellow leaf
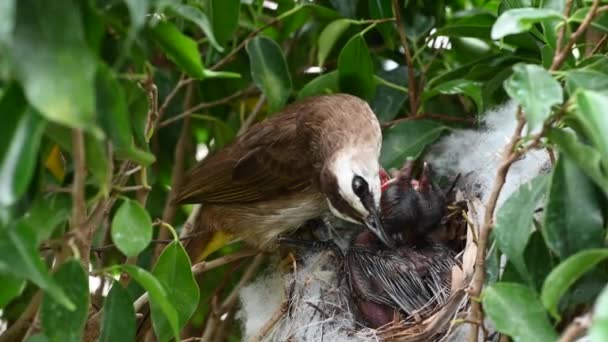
[
  {"x": 54, "y": 163},
  {"x": 219, "y": 240}
]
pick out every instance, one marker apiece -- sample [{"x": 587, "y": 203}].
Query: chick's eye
[{"x": 359, "y": 186}]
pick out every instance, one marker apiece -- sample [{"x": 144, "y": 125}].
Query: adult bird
[{"x": 317, "y": 154}]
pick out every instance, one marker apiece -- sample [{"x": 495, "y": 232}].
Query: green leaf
[
  {"x": 476, "y": 25},
  {"x": 7, "y": 20},
  {"x": 388, "y": 101},
  {"x": 118, "y": 316},
  {"x": 520, "y": 20},
  {"x": 585, "y": 156},
  {"x": 37, "y": 338},
  {"x": 566, "y": 274},
  {"x": 58, "y": 323},
  {"x": 329, "y": 36},
  {"x": 379, "y": 9},
  {"x": 113, "y": 117},
  {"x": 137, "y": 10},
  {"x": 356, "y": 69},
  {"x": 19, "y": 257},
  {"x": 470, "y": 88},
  {"x": 180, "y": 48},
  {"x": 599, "y": 327},
  {"x": 589, "y": 112},
  {"x": 131, "y": 228},
  {"x": 159, "y": 298},
  {"x": 600, "y": 21},
  {"x": 173, "y": 270},
  {"x": 45, "y": 214},
  {"x": 573, "y": 219},
  {"x": 514, "y": 222},
  {"x": 11, "y": 288},
  {"x": 97, "y": 162},
  {"x": 517, "y": 312},
  {"x": 199, "y": 18},
  {"x": 320, "y": 85},
  {"x": 535, "y": 90},
  {"x": 21, "y": 133},
  {"x": 52, "y": 60},
  {"x": 224, "y": 16},
  {"x": 269, "y": 71},
  {"x": 586, "y": 79},
  {"x": 407, "y": 139}
]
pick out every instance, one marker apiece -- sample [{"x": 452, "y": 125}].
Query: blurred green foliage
[{"x": 110, "y": 100}]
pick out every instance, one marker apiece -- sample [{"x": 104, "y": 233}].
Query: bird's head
[{"x": 351, "y": 183}]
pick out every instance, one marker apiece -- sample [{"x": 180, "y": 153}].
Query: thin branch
[
  {"x": 563, "y": 53},
  {"x": 251, "y": 35},
  {"x": 276, "y": 317},
  {"x": 441, "y": 117},
  {"x": 254, "y": 113},
  {"x": 599, "y": 44},
  {"x": 413, "y": 93},
  {"x": 562, "y": 32},
  {"x": 205, "y": 105},
  {"x": 17, "y": 330},
  {"x": 79, "y": 209},
  {"x": 576, "y": 328},
  {"x": 177, "y": 172}
]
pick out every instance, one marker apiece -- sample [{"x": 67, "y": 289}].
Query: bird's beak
[{"x": 373, "y": 223}]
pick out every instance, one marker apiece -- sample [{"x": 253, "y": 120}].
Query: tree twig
[
  {"x": 254, "y": 113},
  {"x": 433, "y": 116},
  {"x": 79, "y": 204},
  {"x": 276, "y": 317},
  {"x": 411, "y": 79},
  {"x": 576, "y": 328}
]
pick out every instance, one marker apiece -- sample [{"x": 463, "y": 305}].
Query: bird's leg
[{"x": 314, "y": 245}]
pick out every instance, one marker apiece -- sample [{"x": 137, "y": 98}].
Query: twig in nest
[{"x": 276, "y": 317}]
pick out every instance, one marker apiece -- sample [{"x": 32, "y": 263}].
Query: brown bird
[{"x": 317, "y": 154}]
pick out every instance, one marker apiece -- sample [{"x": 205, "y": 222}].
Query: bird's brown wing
[{"x": 266, "y": 161}]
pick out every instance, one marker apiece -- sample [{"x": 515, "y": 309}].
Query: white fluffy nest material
[{"x": 310, "y": 304}]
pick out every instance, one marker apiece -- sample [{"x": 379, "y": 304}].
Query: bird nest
[{"x": 317, "y": 303}]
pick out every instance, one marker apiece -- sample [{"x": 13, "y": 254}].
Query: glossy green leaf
[
  {"x": 514, "y": 222},
  {"x": 199, "y": 18},
  {"x": 517, "y": 312},
  {"x": 380, "y": 9},
  {"x": 19, "y": 257},
  {"x": 586, "y": 79},
  {"x": 45, "y": 214},
  {"x": 388, "y": 101},
  {"x": 320, "y": 85},
  {"x": 573, "y": 215},
  {"x": 269, "y": 71},
  {"x": 329, "y": 36},
  {"x": 97, "y": 162},
  {"x": 21, "y": 133},
  {"x": 173, "y": 270},
  {"x": 585, "y": 156},
  {"x": 131, "y": 228},
  {"x": 347, "y": 8},
  {"x": 113, "y": 116},
  {"x": 520, "y": 20},
  {"x": 118, "y": 322},
  {"x": 589, "y": 111},
  {"x": 535, "y": 90},
  {"x": 37, "y": 338},
  {"x": 564, "y": 275},
  {"x": 600, "y": 21},
  {"x": 58, "y": 323},
  {"x": 224, "y": 16},
  {"x": 469, "y": 88},
  {"x": 53, "y": 62},
  {"x": 181, "y": 49},
  {"x": 11, "y": 288},
  {"x": 356, "y": 69},
  {"x": 599, "y": 328},
  {"x": 476, "y": 25},
  {"x": 408, "y": 139},
  {"x": 159, "y": 297}
]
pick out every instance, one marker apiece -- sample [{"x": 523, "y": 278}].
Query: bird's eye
[{"x": 360, "y": 187}]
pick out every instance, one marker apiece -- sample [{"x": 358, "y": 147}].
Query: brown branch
[
  {"x": 177, "y": 172},
  {"x": 276, "y": 317},
  {"x": 17, "y": 330},
  {"x": 433, "y": 116},
  {"x": 79, "y": 209},
  {"x": 563, "y": 53},
  {"x": 412, "y": 91},
  {"x": 206, "y": 105},
  {"x": 253, "y": 115},
  {"x": 599, "y": 44},
  {"x": 576, "y": 328}
]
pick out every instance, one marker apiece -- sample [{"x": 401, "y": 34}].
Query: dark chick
[{"x": 413, "y": 279}]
